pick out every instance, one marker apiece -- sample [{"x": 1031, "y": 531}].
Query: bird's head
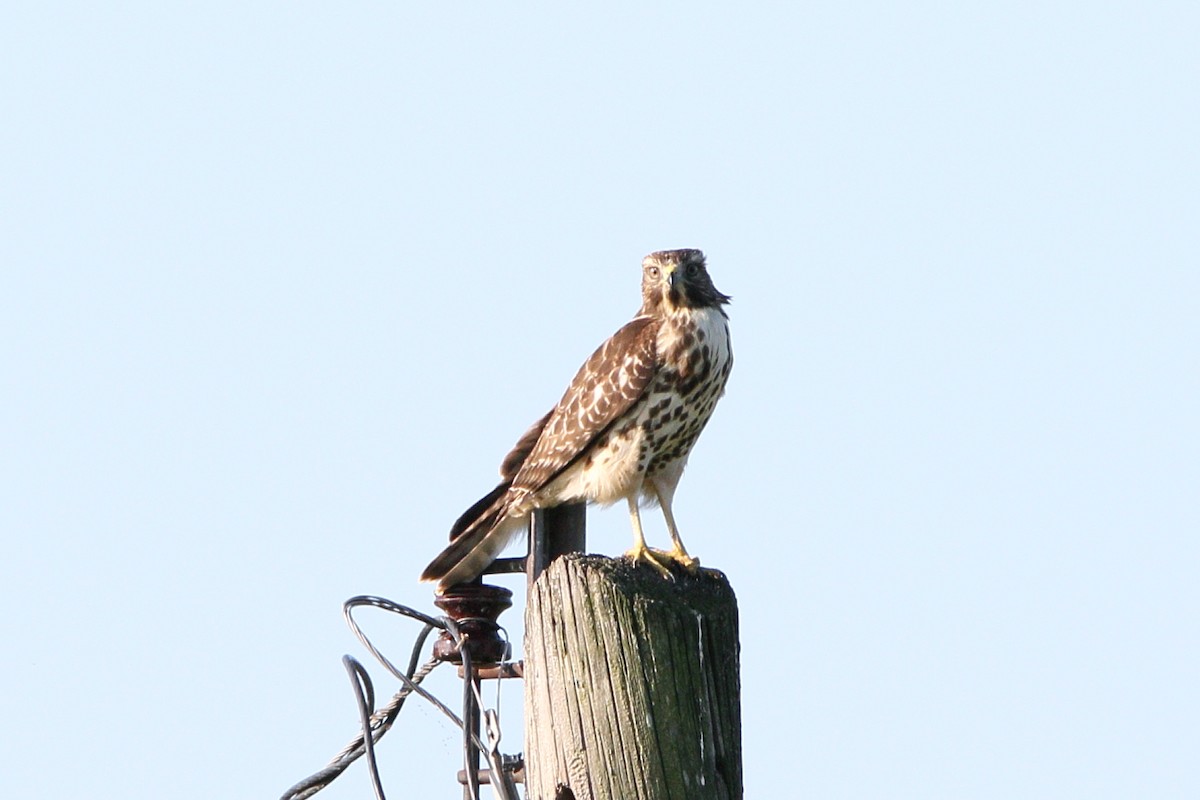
[{"x": 677, "y": 279}]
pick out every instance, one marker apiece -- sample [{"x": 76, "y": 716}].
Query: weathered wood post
[{"x": 631, "y": 684}]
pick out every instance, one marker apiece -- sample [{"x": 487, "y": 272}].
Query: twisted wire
[
  {"x": 380, "y": 723},
  {"x": 376, "y": 724}
]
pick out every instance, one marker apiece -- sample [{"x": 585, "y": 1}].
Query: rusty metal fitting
[{"x": 475, "y": 608}]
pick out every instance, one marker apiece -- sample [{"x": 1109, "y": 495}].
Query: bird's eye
[{"x": 653, "y": 272}]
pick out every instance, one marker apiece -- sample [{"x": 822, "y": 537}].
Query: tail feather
[
  {"x": 477, "y": 537},
  {"x": 478, "y": 510}
]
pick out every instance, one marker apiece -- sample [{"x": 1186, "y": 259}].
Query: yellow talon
[
  {"x": 661, "y": 560},
  {"x": 652, "y": 557},
  {"x": 680, "y": 557}
]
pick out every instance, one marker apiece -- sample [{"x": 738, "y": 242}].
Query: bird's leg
[
  {"x": 678, "y": 553},
  {"x": 639, "y": 551}
]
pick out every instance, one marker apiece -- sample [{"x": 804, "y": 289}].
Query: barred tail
[{"x": 477, "y": 537}]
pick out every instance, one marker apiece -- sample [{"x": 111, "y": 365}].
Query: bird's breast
[
  {"x": 610, "y": 469},
  {"x": 696, "y": 365},
  {"x": 660, "y": 428}
]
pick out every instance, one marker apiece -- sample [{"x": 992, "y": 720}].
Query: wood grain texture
[{"x": 632, "y": 684}]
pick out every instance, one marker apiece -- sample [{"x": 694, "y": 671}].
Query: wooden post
[{"x": 631, "y": 684}]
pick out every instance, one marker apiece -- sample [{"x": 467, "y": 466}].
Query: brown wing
[
  {"x": 606, "y": 386},
  {"x": 516, "y": 457}
]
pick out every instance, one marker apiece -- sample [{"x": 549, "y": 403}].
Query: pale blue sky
[{"x": 283, "y": 281}]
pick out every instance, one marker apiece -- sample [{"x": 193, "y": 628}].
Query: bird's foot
[
  {"x": 658, "y": 559},
  {"x": 661, "y": 560},
  {"x": 681, "y": 557}
]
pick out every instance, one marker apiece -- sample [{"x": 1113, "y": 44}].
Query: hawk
[{"x": 623, "y": 429}]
